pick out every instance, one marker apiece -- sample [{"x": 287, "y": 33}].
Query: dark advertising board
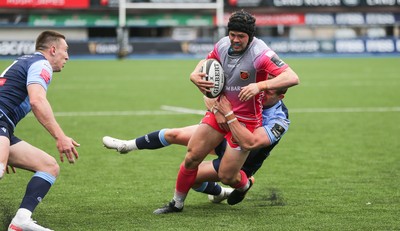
[{"x": 281, "y": 46}]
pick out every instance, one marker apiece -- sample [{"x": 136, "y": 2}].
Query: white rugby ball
[{"x": 215, "y": 74}]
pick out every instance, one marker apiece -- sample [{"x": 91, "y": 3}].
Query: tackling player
[
  {"x": 262, "y": 141},
  {"x": 23, "y": 87}
]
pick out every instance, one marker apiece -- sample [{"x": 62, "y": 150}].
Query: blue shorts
[
  {"x": 8, "y": 131},
  {"x": 253, "y": 162}
]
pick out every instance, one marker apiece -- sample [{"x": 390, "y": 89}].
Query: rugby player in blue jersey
[
  {"x": 275, "y": 124},
  {"x": 23, "y": 87}
]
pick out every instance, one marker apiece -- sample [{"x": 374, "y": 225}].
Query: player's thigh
[
  {"x": 232, "y": 162},
  {"x": 26, "y": 156},
  {"x": 206, "y": 172},
  {"x": 203, "y": 141}
]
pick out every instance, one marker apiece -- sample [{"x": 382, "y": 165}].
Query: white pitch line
[
  {"x": 172, "y": 110},
  {"x": 115, "y": 113},
  {"x": 299, "y": 110},
  {"x": 183, "y": 110},
  {"x": 344, "y": 109}
]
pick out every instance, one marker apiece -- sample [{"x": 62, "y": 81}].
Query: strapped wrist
[
  {"x": 228, "y": 114},
  {"x": 231, "y": 121}
]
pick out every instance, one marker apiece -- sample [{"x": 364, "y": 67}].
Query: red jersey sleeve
[
  {"x": 214, "y": 53},
  {"x": 270, "y": 63}
]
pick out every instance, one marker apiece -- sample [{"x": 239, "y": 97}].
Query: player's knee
[
  {"x": 192, "y": 161},
  {"x": 55, "y": 170},
  {"x": 52, "y": 167},
  {"x": 175, "y": 136},
  {"x": 171, "y": 134},
  {"x": 227, "y": 179}
]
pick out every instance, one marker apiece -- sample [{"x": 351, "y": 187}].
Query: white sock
[
  {"x": 23, "y": 214},
  {"x": 179, "y": 200},
  {"x": 132, "y": 144}
]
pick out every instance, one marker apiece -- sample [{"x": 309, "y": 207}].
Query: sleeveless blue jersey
[{"x": 25, "y": 70}]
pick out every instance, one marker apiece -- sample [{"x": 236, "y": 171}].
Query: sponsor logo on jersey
[
  {"x": 277, "y": 131},
  {"x": 45, "y": 75},
  {"x": 244, "y": 75},
  {"x": 278, "y": 62},
  {"x": 233, "y": 88}
]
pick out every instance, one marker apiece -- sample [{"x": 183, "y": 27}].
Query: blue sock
[
  {"x": 154, "y": 140},
  {"x": 36, "y": 189},
  {"x": 211, "y": 188}
]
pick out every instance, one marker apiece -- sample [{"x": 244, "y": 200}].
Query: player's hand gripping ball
[{"x": 215, "y": 74}]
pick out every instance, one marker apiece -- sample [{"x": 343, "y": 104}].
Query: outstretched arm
[
  {"x": 43, "y": 112},
  {"x": 288, "y": 78}
]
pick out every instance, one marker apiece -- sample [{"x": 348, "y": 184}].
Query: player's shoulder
[
  {"x": 223, "y": 42},
  {"x": 279, "y": 110},
  {"x": 258, "y": 46},
  {"x": 40, "y": 62},
  {"x": 31, "y": 59}
]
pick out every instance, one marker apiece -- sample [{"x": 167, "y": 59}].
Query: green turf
[{"x": 337, "y": 168}]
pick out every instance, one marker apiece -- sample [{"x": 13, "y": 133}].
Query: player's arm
[
  {"x": 42, "y": 110},
  {"x": 286, "y": 79},
  {"x": 246, "y": 139},
  {"x": 210, "y": 105},
  {"x": 280, "y": 75},
  {"x": 197, "y": 78}
]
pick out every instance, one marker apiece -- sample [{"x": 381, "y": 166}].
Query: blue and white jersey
[
  {"x": 275, "y": 121},
  {"x": 25, "y": 70}
]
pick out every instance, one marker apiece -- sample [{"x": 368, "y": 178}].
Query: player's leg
[
  {"x": 4, "y": 146},
  {"x": 206, "y": 182},
  {"x": 26, "y": 156},
  {"x": 4, "y": 152},
  {"x": 231, "y": 174},
  {"x": 154, "y": 140},
  {"x": 203, "y": 141}
]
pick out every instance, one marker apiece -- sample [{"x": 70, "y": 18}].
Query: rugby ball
[{"x": 215, "y": 74}]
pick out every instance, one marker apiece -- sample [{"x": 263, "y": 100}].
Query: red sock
[
  {"x": 243, "y": 181},
  {"x": 186, "y": 179}
]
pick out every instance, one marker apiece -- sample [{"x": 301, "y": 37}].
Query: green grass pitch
[{"x": 337, "y": 168}]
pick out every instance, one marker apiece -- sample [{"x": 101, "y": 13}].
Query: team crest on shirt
[{"x": 244, "y": 75}]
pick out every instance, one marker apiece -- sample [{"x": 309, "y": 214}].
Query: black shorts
[
  {"x": 8, "y": 131},
  {"x": 253, "y": 162}
]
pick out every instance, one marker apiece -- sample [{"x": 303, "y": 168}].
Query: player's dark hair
[
  {"x": 46, "y": 38},
  {"x": 244, "y": 22},
  {"x": 281, "y": 91}
]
